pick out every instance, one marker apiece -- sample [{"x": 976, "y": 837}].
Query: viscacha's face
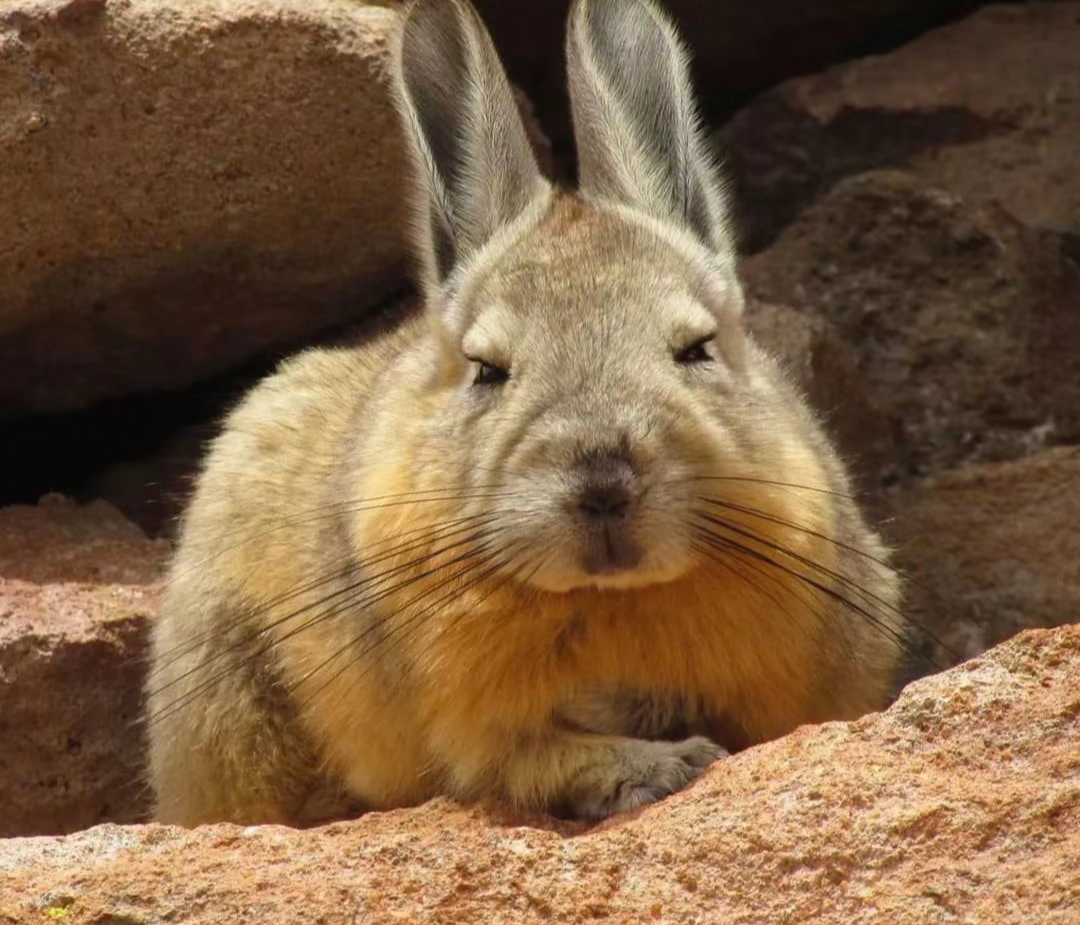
[{"x": 603, "y": 385}]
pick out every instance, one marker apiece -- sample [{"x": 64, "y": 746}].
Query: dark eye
[
  {"x": 695, "y": 352},
  {"x": 488, "y": 374}
]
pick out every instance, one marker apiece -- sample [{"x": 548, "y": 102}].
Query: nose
[
  {"x": 606, "y": 483},
  {"x": 604, "y": 501}
]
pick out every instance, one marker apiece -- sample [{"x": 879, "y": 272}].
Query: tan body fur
[{"x": 492, "y": 681}]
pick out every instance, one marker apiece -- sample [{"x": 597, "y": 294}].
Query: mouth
[
  {"x": 608, "y": 546},
  {"x": 610, "y": 551},
  {"x": 614, "y": 559}
]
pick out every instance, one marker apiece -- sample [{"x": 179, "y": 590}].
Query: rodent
[{"x": 563, "y": 538}]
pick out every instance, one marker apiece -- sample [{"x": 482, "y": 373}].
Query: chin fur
[{"x": 563, "y": 580}]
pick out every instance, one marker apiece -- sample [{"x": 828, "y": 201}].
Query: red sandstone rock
[
  {"x": 961, "y": 803},
  {"x": 76, "y": 588},
  {"x": 988, "y": 108},
  {"x": 992, "y": 549},
  {"x": 966, "y": 322}
]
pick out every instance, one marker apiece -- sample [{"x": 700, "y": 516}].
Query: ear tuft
[
  {"x": 638, "y": 135},
  {"x": 469, "y": 146}
]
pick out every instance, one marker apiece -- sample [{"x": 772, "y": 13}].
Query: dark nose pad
[
  {"x": 603, "y": 504},
  {"x": 607, "y": 500},
  {"x": 605, "y": 486}
]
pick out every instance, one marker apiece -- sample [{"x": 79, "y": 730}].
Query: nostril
[{"x": 603, "y": 502}]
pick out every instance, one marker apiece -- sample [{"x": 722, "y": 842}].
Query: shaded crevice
[{"x": 140, "y": 452}]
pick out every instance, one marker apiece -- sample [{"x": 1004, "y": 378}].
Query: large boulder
[
  {"x": 990, "y": 550},
  {"x": 966, "y": 321},
  {"x": 961, "y": 803},
  {"x": 185, "y": 183},
  {"x": 988, "y": 108},
  {"x": 77, "y": 587}
]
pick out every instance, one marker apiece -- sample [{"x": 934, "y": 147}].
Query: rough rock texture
[
  {"x": 186, "y": 182},
  {"x": 992, "y": 550},
  {"x": 967, "y": 323},
  {"x": 737, "y": 47},
  {"x": 988, "y": 108},
  {"x": 961, "y": 803},
  {"x": 826, "y": 369},
  {"x": 76, "y": 588}
]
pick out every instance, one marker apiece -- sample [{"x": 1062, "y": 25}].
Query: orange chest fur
[{"x": 522, "y": 655}]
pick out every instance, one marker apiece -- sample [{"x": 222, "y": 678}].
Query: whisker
[
  {"x": 780, "y": 521},
  {"x": 350, "y": 506},
  {"x": 428, "y": 534},
  {"x": 752, "y": 535},
  {"x": 400, "y": 631},
  {"x": 476, "y": 561},
  {"x": 865, "y": 593},
  {"x": 353, "y": 595},
  {"x": 710, "y": 549},
  {"x": 723, "y": 553},
  {"x": 772, "y": 482},
  {"x": 861, "y": 610}
]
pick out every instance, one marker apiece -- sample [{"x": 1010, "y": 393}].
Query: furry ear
[
  {"x": 469, "y": 146},
  {"x": 638, "y": 138}
]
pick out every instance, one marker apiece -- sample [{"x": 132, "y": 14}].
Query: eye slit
[
  {"x": 489, "y": 373},
  {"x": 695, "y": 352}
]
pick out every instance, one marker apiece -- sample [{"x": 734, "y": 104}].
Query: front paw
[{"x": 637, "y": 772}]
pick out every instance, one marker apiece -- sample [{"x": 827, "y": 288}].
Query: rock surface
[
  {"x": 992, "y": 550},
  {"x": 186, "y": 182},
  {"x": 988, "y": 108},
  {"x": 961, "y": 803},
  {"x": 967, "y": 323},
  {"x": 76, "y": 588}
]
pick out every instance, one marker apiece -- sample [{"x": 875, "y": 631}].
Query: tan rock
[
  {"x": 76, "y": 588},
  {"x": 185, "y": 183},
  {"x": 967, "y": 323},
  {"x": 988, "y": 108},
  {"x": 961, "y": 803},
  {"x": 992, "y": 549}
]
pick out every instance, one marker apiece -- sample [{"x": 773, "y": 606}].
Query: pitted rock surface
[
  {"x": 77, "y": 587},
  {"x": 961, "y": 803}
]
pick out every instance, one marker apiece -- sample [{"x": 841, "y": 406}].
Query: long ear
[
  {"x": 469, "y": 147},
  {"x": 638, "y": 137}
]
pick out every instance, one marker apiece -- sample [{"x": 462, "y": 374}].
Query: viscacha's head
[{"x": 595, "y": 372}]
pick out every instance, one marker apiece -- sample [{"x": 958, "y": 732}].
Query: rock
[
  {"x": 186, "y": 183},
  {"x": 961, "y": 803},
  {"x": 967, "y": 323},
  {"x": 988, "y": 108},
  {"x": 991, "y": 550},
  {"x": 76, "y": 588},
  {"x": 826, "y": 369},
  {"x": 153, "y": 491}
]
